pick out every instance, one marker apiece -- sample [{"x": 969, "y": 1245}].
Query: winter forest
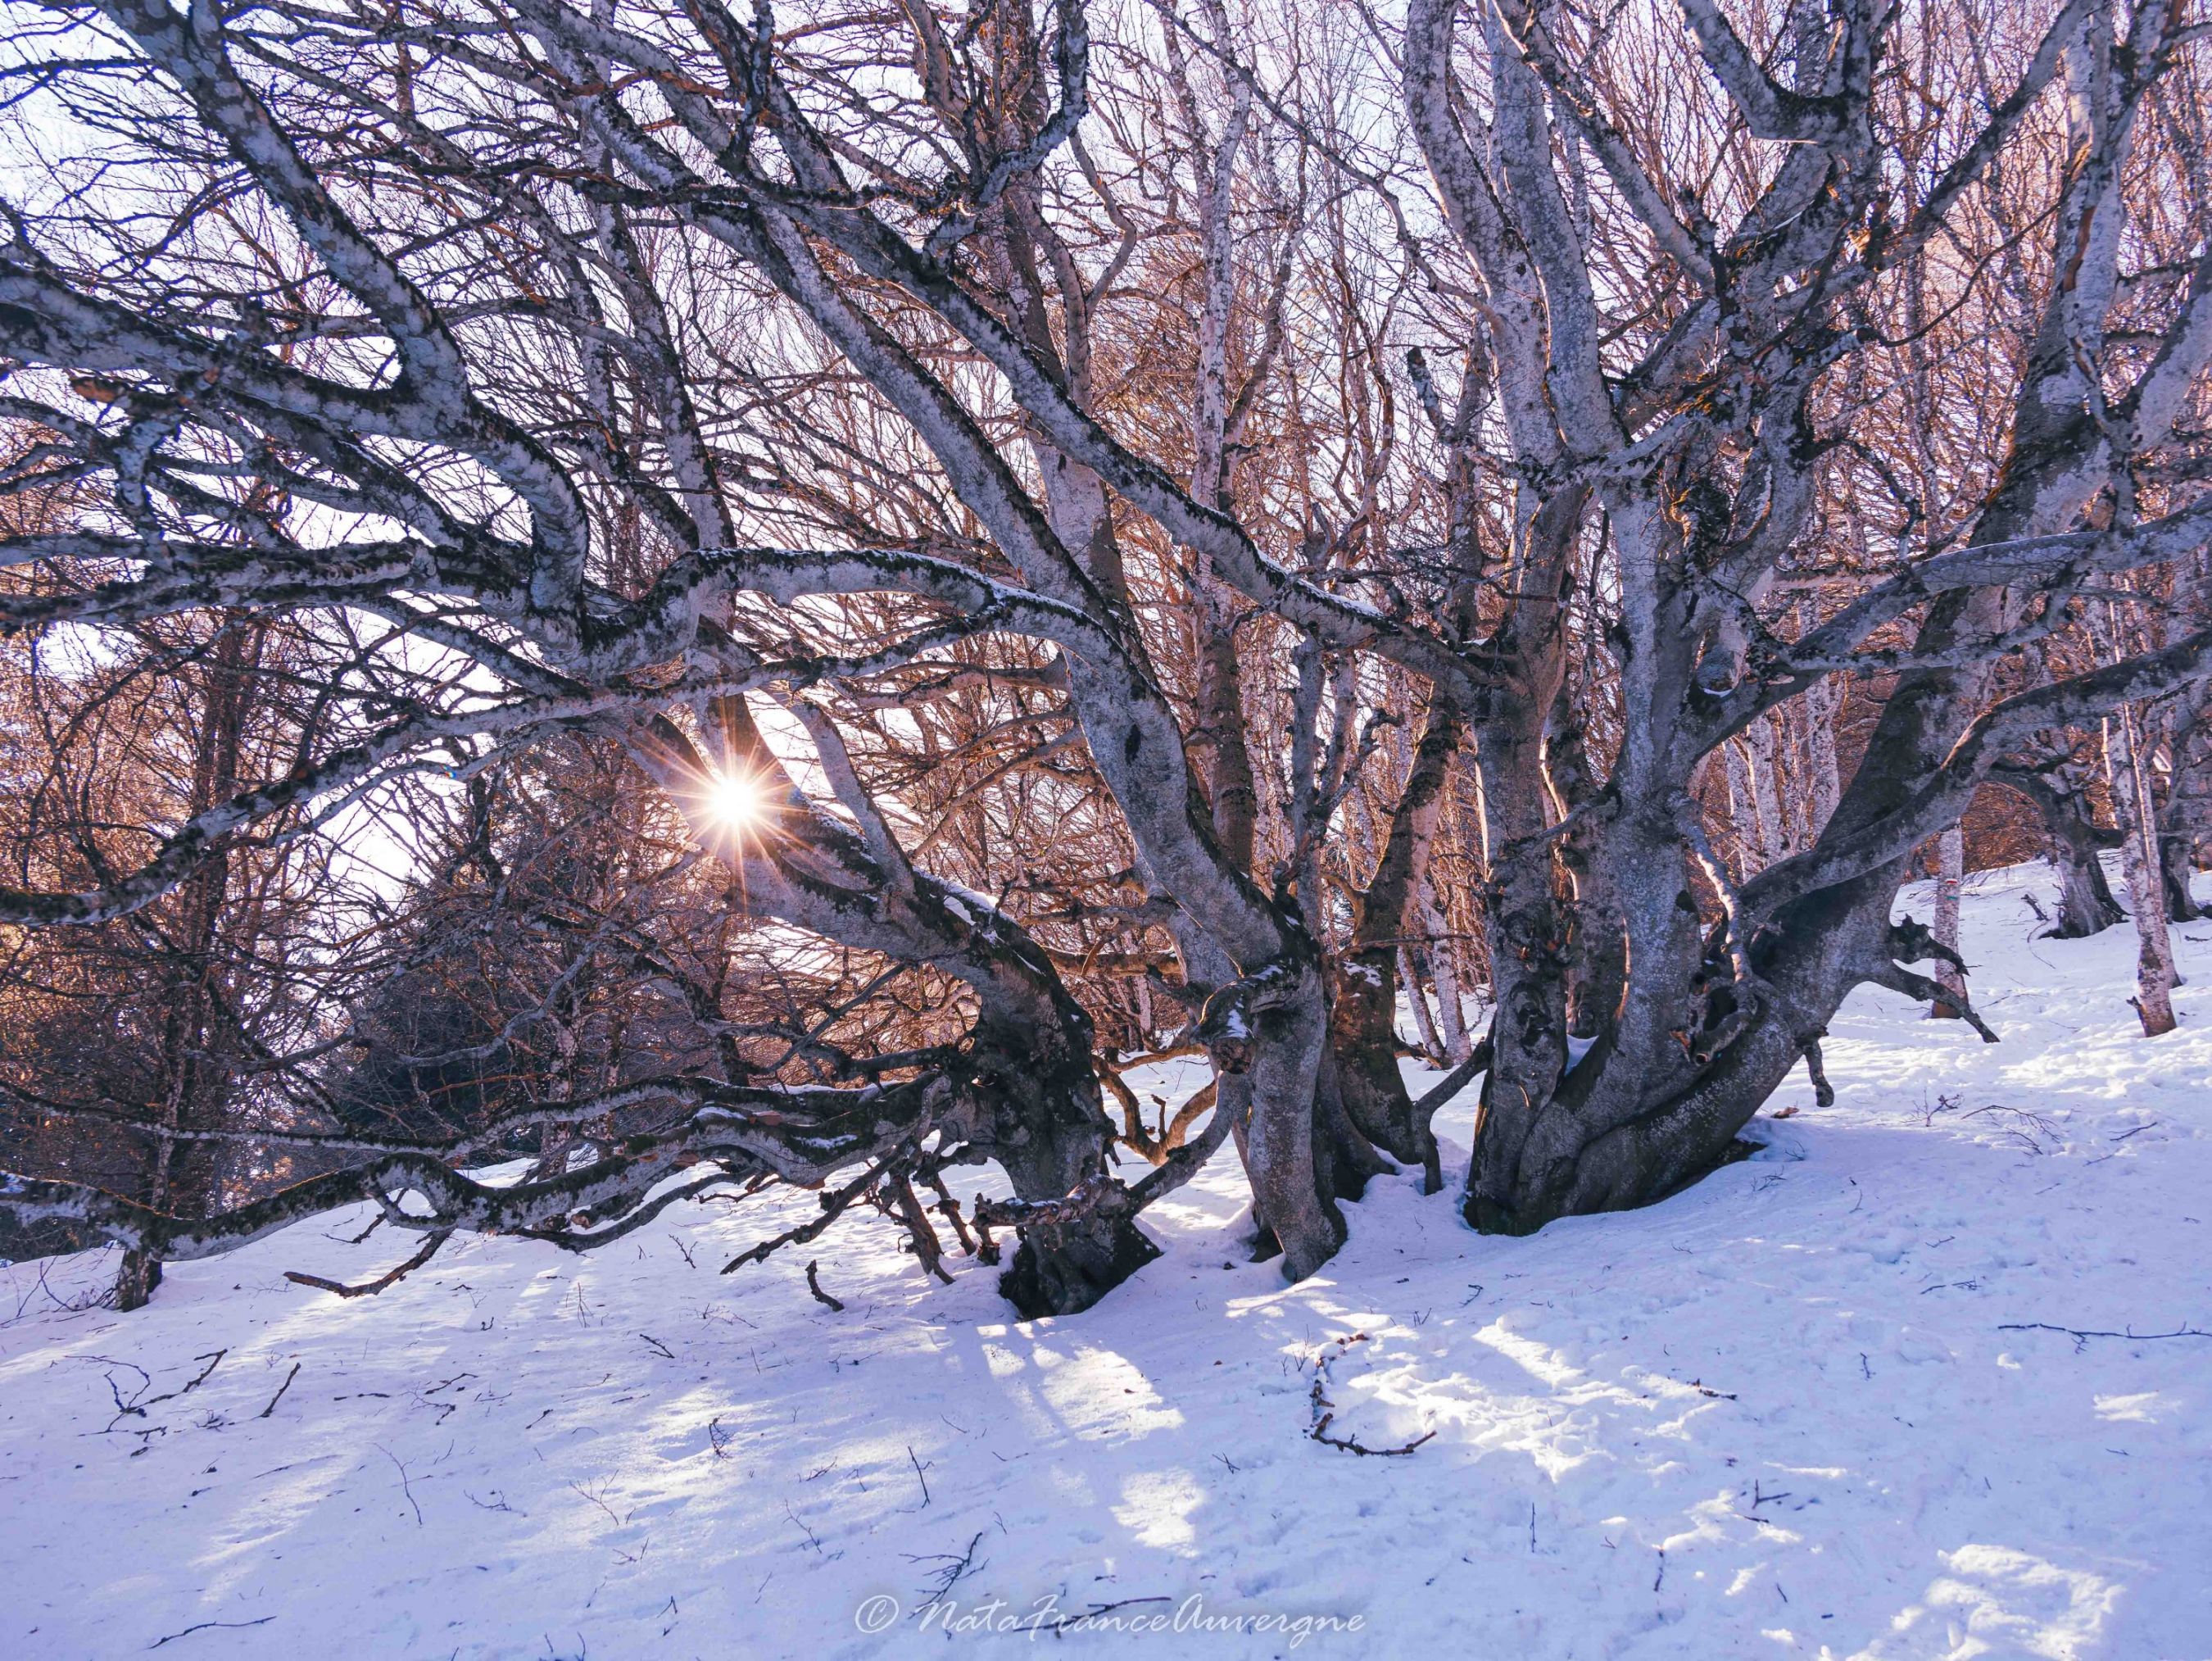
[{"x": 998, "y": 664}]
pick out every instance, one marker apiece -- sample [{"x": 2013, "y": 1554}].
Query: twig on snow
[
  {"x": 125, "y": 1409},
  {"x": 281, "y": 1388},
  {"x": 405, "y": 1487},
  {"x": 2081, "y": 1335},
  {"x": 204, "y": 1625},
  {"x": 954, "y": 1569},
  {"x": 1324, "y": 1410}
]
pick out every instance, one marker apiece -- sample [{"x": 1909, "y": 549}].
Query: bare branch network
[{"x": 719, "y": 599}]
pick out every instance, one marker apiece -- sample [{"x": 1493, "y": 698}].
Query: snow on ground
[{"x": 1798, "y": 1410}]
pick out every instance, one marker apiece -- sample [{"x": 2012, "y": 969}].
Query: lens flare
[{"x": 734, "y": 800}]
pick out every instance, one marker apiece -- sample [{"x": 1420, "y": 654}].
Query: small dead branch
[
  {"x": 612, "y": 1515},
  {"x": 814, "y": 1286},
  {"x": 102, "y": 1295},
  {"x": 281, "y": 1388},
  {"x": 665, "y": 1352},
  {"x": 955, "y": 1570},
  {"x": 206, "y": 1626},
  {"x": 370, "y": 1288},
  {"x": 812, "y": 1539},
  {"x": 405, "y": 1487},
  {"x": 2081, "y": 1336},
  {"x": 1324, "y": 1410},
  {"x": 834, "y": 1206},
  {"x": 136, "y": 1408},
  {"x": 918, "y": 1476},
  {"x": 2032, "y": 1138}
]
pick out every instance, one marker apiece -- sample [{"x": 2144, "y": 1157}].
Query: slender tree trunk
[
  {"x": 556, "y": 1140},
  {"x": 2181, "y": 821},
  {"x": 1950, "y": 873},
  {"x": 195, "y": 1083},
  {"x": 1364, "y": 1013},
  {"x": 1223, "y": 736},
  {"x": 1773, "y": 842},
  {"x": 1443, "y": 963},
  {"x": 1797, "y": 822},
  {"x": 1409, "y": 972},
  {"x": 2131, "y": 806},
  {"x": 1823, "y": 703},
  {"x": 1743, "y": 813}
]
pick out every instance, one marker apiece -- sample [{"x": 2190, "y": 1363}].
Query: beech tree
[{"x": 1169, "y": 510}]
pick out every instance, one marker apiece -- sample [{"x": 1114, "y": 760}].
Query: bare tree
[
  {"x": 774, "y": 404},
  {"x": 1701, "y": 434}
]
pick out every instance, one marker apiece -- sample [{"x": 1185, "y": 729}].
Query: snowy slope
[{"x": 1782, "y": 1414}]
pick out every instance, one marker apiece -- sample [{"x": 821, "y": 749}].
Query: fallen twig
[
  {"x": 954, "y": 1568},
  {"x": 1324, "y": 1411},
  {"x": 204, "y": 1625},
  {"x": 370, "y": 1288},
  {"x": 125, "y": 1409},
  {"x": 814, "y": 1286},
  {"x": 2081, "y": 1335},
  {"x": 405, "y": 1487},
  {"x": 281, "y": 1388}
]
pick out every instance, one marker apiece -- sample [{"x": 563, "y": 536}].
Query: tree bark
[
  {"x": 1766, "y": 789},
  {"x": 2133, "y": 808},
  {"x": 2182, "y": 818},
  {"x": 1950, "y": 872},
  {"x": 1443, "y": 962},
  {"x": 1416, "y": 998},
  {"x": 1364, "y": 1006}
]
